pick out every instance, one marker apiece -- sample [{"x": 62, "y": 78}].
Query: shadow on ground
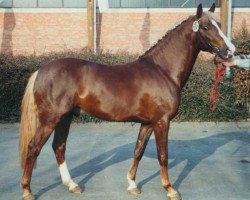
[{"x": 192, "y": 152}]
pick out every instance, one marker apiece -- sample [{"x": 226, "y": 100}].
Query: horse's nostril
[{"x": 229, "y": 54}]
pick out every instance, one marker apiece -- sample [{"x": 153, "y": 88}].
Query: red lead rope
[{"x": 218, "y": 72}]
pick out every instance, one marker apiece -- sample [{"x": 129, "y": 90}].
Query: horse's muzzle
[{"x": 224, "y": 53}]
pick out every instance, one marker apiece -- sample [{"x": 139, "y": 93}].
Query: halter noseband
[{"x": 196, "y": 28}]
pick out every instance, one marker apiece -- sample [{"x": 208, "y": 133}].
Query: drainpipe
[
  {"x": 229, "y": 20},
  {"x": 91, "y": 15},
  {"x": 94, "y": 32},
  {"x": 229, "y": 33}
]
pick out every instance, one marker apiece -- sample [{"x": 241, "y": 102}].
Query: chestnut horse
[{"x": 146, "y": 91}]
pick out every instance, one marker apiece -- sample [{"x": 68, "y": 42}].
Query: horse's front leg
[
  {"x": 161, "y": 129},
  {"x": 142, "y": 140}
]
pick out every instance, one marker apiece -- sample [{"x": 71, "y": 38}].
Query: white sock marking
[
  {"x": 66, "y": 178},
  {"x": 132, "y": 184},
  {"x": 228, "y": 43}
]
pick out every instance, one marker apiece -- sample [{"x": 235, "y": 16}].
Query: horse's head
[{"x": 210, "y": 36}]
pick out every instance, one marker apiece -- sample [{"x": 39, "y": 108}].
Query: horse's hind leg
[
  {"x": 59, "y": 147},
  {"x": 41, "y": 136},
  {"x": 143, "y": 137}
]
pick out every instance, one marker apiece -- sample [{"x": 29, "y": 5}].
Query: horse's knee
[
  {"x": 137, "y": 155},
  {"x": 163, "y": 159},
  {"x": 139, "y": 149}
]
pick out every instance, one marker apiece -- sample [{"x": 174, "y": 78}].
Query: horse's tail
[{"x": 29, "y": 120}]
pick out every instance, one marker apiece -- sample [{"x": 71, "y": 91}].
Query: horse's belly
[{"x": 107, "y": 108}]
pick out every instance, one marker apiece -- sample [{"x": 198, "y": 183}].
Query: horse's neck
[{"x": 176, "y": 54}]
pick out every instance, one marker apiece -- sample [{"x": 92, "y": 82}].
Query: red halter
[{"x": 218, "y": 72}]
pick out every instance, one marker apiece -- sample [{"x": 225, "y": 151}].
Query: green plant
[
  {"x": 242, "y": 39},
  {"x": 15, "y": 71},
  {"x": 243, "y": 33},
  {"x": 195, "y": 95}
]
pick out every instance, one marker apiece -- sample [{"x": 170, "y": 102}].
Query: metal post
[
  {"x": 90, "y": 18},
  {"x": 229, "y": 20},
  {"x": 94, "y": 31},
  {"x": 229, "y": 33},
  {"x": 224, "y": 15},
  {"x": 225, "y": 18}
]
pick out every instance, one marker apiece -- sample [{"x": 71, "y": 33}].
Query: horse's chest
[{"x": 153, "y": 107}]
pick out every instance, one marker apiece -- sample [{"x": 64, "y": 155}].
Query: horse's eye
[{"x": 206, "y": 28}]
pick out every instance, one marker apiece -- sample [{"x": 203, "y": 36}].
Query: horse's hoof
[
  {"x": 174, "y": 196},
  {"x": 28, "y": 197},
  {"x": 134, "y": 191},
  {"x": 76, "y": 190}
]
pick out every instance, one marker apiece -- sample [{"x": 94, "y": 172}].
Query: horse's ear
[
  {"x": 212, "y": 9},
  {"x": 199, "y": 11}
]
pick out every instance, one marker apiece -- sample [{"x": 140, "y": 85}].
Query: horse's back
[
  {"x": 117, "y": 92},
  {"x": 66, "y": 83}
]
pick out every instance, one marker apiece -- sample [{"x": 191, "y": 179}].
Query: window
[
  {"x": 50, "y": 3},
  {"x": 6, "y": 3},
  {"x": 116, "y": 3},
  {"x": 25, "y": 3},
  {"x": 75, "y": 3}
]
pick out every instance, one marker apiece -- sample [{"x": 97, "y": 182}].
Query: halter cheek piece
[{"x": 196, "y": 28}]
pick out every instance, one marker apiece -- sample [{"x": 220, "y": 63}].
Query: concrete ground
[{"x": 208, "y": 161}]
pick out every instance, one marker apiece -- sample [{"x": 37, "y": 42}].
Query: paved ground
[{"x": 208, "y": 161}]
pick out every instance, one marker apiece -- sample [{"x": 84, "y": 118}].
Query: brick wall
[
  {"x": 135, "y": 32},
  {"x": 38, "y": 31}
]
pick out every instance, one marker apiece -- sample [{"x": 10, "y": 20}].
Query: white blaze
[
  {"x": 66, "y": 178},
  {"x": 231, "y": 47}
]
